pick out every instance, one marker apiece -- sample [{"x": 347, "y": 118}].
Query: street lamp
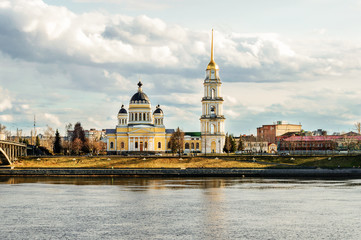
[{"x": 219, "y": 143}]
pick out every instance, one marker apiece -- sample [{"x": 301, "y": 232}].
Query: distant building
[
  {"x": 269, "y": 133},
  {"x": 348, "y": 141},
  {"x": 192, "y": 142},
  {"x": 253, "y": 145},
  {"x": 272, "y": 148},
  {"x": 319, "y": 132},
  {"x": 94, "y": 134},
  {"x": 91, "y": 134}
]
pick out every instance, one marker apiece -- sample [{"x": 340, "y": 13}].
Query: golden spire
[
  {"x": 212, "y": 64},
  {"x": 212, "y": 59}
]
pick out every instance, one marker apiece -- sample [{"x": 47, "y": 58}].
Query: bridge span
[{"x": 9, "y": 151}]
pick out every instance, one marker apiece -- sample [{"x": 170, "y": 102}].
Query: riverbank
[
  {"x": 103, "y": 162},
  {"x": 200, "y": 166},
  {"x": 219, "y": 161},
  {"x": 198, "y": 172}
]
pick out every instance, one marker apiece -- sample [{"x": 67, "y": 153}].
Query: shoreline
[{"x": 189, "y": 172}]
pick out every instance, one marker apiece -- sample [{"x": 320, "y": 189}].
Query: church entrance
[
  {"x": 214, "y": 147},
  {"x": 141, "y": 146}
]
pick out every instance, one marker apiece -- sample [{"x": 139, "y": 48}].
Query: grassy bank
[
  {"x": 136, "y": 162},
  {"x": 231, "y": 161},
  {"x": 312, "y": 161}
]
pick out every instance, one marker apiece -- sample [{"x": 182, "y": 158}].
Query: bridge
[{"x": 9, "y": 151}]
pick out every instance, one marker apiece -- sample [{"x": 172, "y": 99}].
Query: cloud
[
  {"x": 69, "y": 67},
  {"x": 140, "y": 4},
  {"x": 54, "y": 120},
  {"x": 43, "y": 33},
  {"x": 5, "y": 100},
  {"x": 6, "y": 118}
]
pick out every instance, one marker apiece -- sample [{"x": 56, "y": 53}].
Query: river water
[{"x": 200, "y": 208}]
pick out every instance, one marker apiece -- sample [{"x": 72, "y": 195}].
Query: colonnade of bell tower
[{"x": 212, "y": 119}]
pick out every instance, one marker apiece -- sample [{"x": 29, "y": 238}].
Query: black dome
[
  {"x": 140, "y": 95},
  {"x": 122, "y": 110},
  {"x": 158, "y": 110}
]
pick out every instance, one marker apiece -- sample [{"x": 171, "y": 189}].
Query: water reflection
[
  {"x": 214, "y": 218},
  {"x": 136, "y": 183},
  {"x": 144, "y": 184}
]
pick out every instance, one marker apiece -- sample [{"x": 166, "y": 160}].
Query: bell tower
[{"x": 212, "y": 119}]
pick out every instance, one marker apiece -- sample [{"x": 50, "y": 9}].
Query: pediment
[{"x": 141, "y": 130}]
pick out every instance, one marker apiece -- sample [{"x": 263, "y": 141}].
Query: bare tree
[
  {"x": 66, "y": 147},
  {"x": 240, "y": 146},
  {"x": 348, "y": 142},
  {"x": 358, "y": 127},
  {"x": 48, "y": 141},
  {"x": 261, "y": 144},
  {"x": 2, "y": 132},
  {"x": 77, "y": 145},
  {"x": 68, "y": 128},
  {"x": 177, "y": 141}
]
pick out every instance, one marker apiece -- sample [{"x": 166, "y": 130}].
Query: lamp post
[{"x": 219, "y": 143}]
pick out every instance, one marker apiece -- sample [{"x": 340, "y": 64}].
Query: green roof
[{"x": 193, "y": 134}]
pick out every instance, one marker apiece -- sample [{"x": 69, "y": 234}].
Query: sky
[{"x": 68, "y": 61}]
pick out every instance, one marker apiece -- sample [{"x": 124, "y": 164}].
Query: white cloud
[
  {"x": 95, "y": 123},
  {"x": 5, "y": 100},
  {"x": 6, "y": 118},
  {"x": 52, "y": 119}
]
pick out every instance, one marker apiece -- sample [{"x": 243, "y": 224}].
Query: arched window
[
  {"x": 159, "y": 145},
  {"x": 192, "y": 146},
  {"x": 168, "y": 144},
  {"x": 213, "y": 111},
  {"x": 122, "y": 144},
  {"x": 136, "y": 144},
  {"x": 144, "y": 117},
  {"x": 197, "y": 145},
  {"x": 186, "y": 146},
  {"x": 213, "y": 93},
  {"x": 136, "y": 117},
  {"x": 213, "y": 128},
  {"x": 145, "y": 144},
  {"x": 111, "y": 145}
]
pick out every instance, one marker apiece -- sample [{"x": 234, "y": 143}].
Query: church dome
[
  {"x": 212, "y": 65},
  {"x": 122, "y": 110},
  {"x": 158, "y": 110},
  {"x": 140, "y": 96}
]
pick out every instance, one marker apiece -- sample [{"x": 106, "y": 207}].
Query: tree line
[{"x": 77, "y": 143}]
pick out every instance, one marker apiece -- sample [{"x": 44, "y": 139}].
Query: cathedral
[{"x": 140, "y": 130}]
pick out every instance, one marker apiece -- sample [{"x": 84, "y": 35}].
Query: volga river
[{"x": 200, "y": 208}]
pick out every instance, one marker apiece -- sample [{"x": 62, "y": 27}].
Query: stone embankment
[{"x": 195, "y": 172}]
